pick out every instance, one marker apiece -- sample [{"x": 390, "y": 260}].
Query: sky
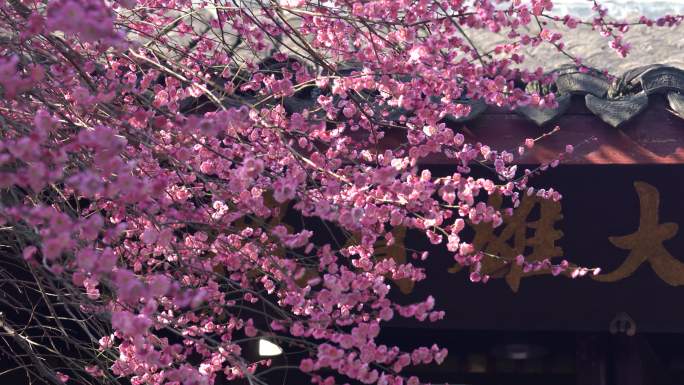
[{"x": 622, "y": 8}]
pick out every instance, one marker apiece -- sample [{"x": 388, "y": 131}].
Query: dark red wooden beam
[{"x": 656, "y": 136}]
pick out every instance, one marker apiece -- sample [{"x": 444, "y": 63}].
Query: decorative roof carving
[
  {"x": 676, "y": 101},
  {"x": 615, "y": 100},
  {"x": 617, "y": 112},
  {"x": 572, "y": 81},
  {"x": 542, "y": 116},
  {"x": 662, "y": 80}
]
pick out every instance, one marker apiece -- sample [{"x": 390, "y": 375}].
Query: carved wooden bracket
[{"x": 622, "y": 323}]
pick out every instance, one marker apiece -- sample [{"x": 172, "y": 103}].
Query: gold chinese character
[
  {"x": 513, "y": 239},
  {"x": 646, "y": 244}
]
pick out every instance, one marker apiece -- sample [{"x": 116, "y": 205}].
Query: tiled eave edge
[
  {"x": 636, "y": 119},
  {"x": 655, "y": 136}
]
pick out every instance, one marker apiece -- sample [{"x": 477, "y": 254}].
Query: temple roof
[{"x": 636, "y": 118}]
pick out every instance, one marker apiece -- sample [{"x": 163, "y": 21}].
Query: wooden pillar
[
  {"x": 635, "y": 363},
  {"x": 627, "y": 367},
  {"x": 591, "y": 362}
]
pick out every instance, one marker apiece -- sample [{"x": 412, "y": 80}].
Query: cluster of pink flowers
[
  {"x": 155, "y": 167},
  {"x": 13, "y": 81},
  {"x": 90, "y": 20}
]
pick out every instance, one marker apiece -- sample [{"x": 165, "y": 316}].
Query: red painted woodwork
[{"x": 656, "y": 136}]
